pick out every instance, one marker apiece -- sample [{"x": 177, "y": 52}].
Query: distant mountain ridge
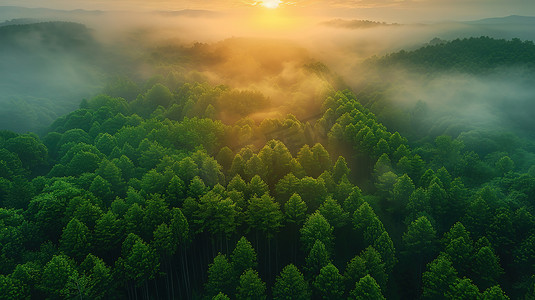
[
  {"x": 192, "y": 13},
  {"x": 355, "y": 24},
  {"x": 8, "y": 13},
  {"x": 510, "y": 20},
  {"x": 20, "y": 21}
]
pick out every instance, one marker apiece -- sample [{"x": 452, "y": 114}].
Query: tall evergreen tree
[
  {"x": 290, "y": 285},
  {"x": 317, "y": 258},
  {"x": 251, "y": 287},
  {"x": 75, "y": 240},
  {"x": 438, "y": 278},
  {"x": 243, "y": 256},
  {"x": 329, "y": 284},
  {"x": 366, "y": 289},
  {"x": 317, "y": 228},
  {"x": 220, "y": 277}
]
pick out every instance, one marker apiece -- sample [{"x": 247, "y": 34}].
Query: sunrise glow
[
  {"x": 271, "y": 4},
  {"x": 267, "y": 149}
]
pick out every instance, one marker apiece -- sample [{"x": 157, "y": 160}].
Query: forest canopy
[{"x": 172, "y": 187}]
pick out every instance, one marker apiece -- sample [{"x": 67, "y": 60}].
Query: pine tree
[
  {"x": 329, "y": 284},
  {"x": 317, "y": 258},
  {"x": 290, "y": 285},
  {"x": 353, "y": 201},
  {"x": 385, "y": 247},
  {"x": 264, "y": 215},
  {"x": 367, "y": 289},
  {"x": 494, "y": 293},
  {"x": 375, "y": 266},
  {"x": 75, "y": 240},
  {"x": 487, "y": 268},
  {"x": 243, "y": 256},
  {"x": 295, "y": 210},
  {"x": 333, "y": 212},
  {"x": 57, "y": 274},
  {"x": 257, "y": 187},
  {"x": 366, "y": 220},
  {"x": 340, "y": 169},
  {"x": 317, "y": 228},
  {"x": 251, "y": 287},
  {"x": 220, "y": 277},
  {"x": 420, "y": 239},
  {"x": 464, "y": 289},
  {"x": 438, "y": 278},
  {"x": 355, "y": 270},
  {"x": 401, "y": 193}
]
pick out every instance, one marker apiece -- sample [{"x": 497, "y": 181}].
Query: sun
[{"x": 271, "y": 4}]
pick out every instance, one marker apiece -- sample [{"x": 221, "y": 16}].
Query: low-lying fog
[{"x": 46, "y": 72}]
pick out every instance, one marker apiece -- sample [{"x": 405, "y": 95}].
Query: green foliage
[
  {"x": 220, "y": 296},
  {"x": 420, "y": 238},
  {"x": 464, "y": 289},
  {"x": 257, "y": 187},
  {"x": 295, "y": 210},
  {"x": 290, "y": 284},
  {"x": 243, "y": 256},
  {"x": 317, "y": 258},
  {"x": 220, "y": 277},
  {"x": 57, "y": 274},
  {"x": 366, "y": 220},
  {"x": 458, "y": 55},
  {"x": 333, "y": 212},
  {"x": 216, "y": 215},
  {"x": 141, "y": 263},
  {"x": 263, "y": 215},
  {"x": 486, "y": 267},
  {"x": 12, "y": 289},
  {"x": 74, "y": 241},
  {"x": 139, "y": 201},
  {"x": 251, "y": 286},
  {"x": 315, "y": 228},
  {"x": 366, "y": 289},
  {"x": 329, "y": 284},
  {"x": 340, "y": 169},
  {"x": 385, "y": 246},
  {"x": 439, "y": 278},
  {"x": 494, "y": 293},
  {"x": 355, "y": 269},
  {"x": 31, "y": 152},
  {"x": 375, "y": 266},
  {"x": 99, "y": 276},
  {"x": 401, "y": 192}
]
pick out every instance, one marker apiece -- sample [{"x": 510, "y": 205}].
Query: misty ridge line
[{"x": 356, "y": 24}]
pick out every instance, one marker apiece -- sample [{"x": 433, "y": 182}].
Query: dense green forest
[
  {"x": 148, "y": 191},
  {"x": 473, "y": 55}
]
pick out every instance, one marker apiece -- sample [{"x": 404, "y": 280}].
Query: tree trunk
[
  {"x": 156, "y": 286},
  {"x": 269, "y": 257}
]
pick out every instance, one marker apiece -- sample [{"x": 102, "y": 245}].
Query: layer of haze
[
  {"x": 252, "y": 48},
  {"x": 392, "y": 10}
]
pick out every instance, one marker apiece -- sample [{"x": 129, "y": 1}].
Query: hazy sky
[{"x": 384, "y": 10}]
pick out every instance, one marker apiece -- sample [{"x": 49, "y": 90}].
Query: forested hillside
[
  {"x": 471, "y": 55},
  {"x": 46, "y": 68},
  {"x": 156, "y": 198},
  {"x": 479, "y": 85}
]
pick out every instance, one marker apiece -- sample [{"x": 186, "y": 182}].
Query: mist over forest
[
  {"x": 265, "y": 153},
  {"x": 66, "y": 56}
]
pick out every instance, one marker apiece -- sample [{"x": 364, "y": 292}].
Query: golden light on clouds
[{"x": 271, "y": 4}]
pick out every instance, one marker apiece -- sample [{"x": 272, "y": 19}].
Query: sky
[{"x": 381, "y": 10}]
